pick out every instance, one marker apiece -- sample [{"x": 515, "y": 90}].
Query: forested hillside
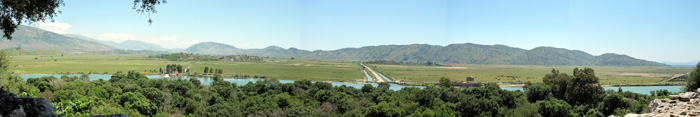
[
  {"x": 30, "y": 38},
  {"x": 467, "y": 53}
]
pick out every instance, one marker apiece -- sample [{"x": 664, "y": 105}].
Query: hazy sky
[{"x": 657, "y": 30}]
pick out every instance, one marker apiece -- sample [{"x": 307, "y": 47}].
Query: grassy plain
[
  {"x": 609, "y": 75},
  {"x": 331, "y": 70},
  {"x": 298, "y": 69}
]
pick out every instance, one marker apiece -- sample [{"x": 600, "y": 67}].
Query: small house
[{"x": 470, "y": 78}]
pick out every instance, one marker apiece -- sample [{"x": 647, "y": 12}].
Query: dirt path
[{"x": 376, "y": 76}]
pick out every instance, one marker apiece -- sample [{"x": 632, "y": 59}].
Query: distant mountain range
[
  {"x": 467, "y": 53},
  {"x": 30, "y": 38},
  {"x": 682, "y": 64},
  {"x": 128, "y": 44}
]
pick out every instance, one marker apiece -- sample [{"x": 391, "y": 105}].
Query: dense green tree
[
  {"x": 527, "y": 85},
  {"x": 558, "y": 82},
  {"x": 223, "y": 110},
  {"x": 299, "y": 111},
  {"x": 445, "y": 82},
  {"x": 594, "y": 113},
  {"x": 44, "y": 86},
  {"x": 367, "y": 88},
  {"x": 554, "y": 108},
  {"x": 584, "y": 88},
  {"x": 612, "y": 102},
  {"x": 384, "y": 109},
  {"x": 179, "y": 68},
  {"x": 693, "y": 79},
  {"x": 137, "y": 101},
  {"x": 538, "y": 91},
  {"x": 206, "y": 70},
  {"x": 195, "y": 81}
]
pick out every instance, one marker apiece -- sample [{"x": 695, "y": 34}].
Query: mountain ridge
[
  {"x": 128, "y": 44},
  {"x": 464, "y": 53},
  {"x": 31, "y": 38}
]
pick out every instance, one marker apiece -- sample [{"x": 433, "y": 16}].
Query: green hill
[
  {"x": 467, "y": 53},
  {"x": 30, "y": 38}
]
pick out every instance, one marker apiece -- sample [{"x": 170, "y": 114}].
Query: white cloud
[
  {"x": 243, "y": 45},
  {"x": 56, "y": 27},
  {"x": 116, "y": 37}
]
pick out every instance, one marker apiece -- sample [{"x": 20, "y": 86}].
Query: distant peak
[
  {"x": 273, "y": 47},
  {"x": 207, "y": 44}
]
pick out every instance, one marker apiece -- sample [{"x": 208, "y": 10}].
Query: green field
[
  {"x": 272, "y": 68},
  {"x": 609, "y": 75},
  {"x": 330, "y": 70}
]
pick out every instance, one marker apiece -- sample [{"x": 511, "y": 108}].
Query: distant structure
[{"x": 470, "y": 78}]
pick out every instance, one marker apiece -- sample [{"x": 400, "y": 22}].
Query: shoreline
[{"x": 500, "y": 85}]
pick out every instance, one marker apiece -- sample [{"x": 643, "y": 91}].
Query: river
[
  {"x": 239, "y": 81},
  {"x": 208, "y": 81}
]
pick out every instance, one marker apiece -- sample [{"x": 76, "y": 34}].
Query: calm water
[
  {"x": 385, "y": 78},
  {"x": 636, "y": 89},
  {"x": 369, "y": 78},
  {"x": 208, "y": 81}
]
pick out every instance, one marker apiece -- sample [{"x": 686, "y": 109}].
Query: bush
[
  {"x": 554, "y": 108},
  {"x": 538, "y": 91},
  {"x": 613, "y": 102}
]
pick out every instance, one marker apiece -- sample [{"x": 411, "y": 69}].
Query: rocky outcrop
[
  {"x": 12, "y": 105},
  {"x": 681, "y": 105}
]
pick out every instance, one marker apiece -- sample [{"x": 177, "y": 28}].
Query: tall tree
[
  {"x": 206, "y": 70},
  {"x": 15, "y": 12},
  {"x": 584, "y": 88},
  {"x": 693, "y": 79},
  {"x": 558, "y": 82},
  {"x": 538, "y": 91},
  {"x": 179, "y": 68}
]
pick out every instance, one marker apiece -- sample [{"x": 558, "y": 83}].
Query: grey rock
[
  {"x": 39, "y": 107},
  {"x": 689, "y": 94},
  {"x": 13, "y": 106},
  {"x": 633, "y": 115},
  {"x": 653, "y": 104},
  {"x": 10, "y": 105},
  {"x": 684, "y": 98},
  {"x": 673, "y": 97},
  {"x": 19, "y": 112}
]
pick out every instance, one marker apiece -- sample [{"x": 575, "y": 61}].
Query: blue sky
[{"x": 648, "y": 29}]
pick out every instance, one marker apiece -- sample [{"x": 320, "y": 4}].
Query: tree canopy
[{"x": 693, "y": 79}]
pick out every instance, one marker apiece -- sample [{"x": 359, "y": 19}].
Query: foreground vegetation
[{"x": 133, "y": 94}]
